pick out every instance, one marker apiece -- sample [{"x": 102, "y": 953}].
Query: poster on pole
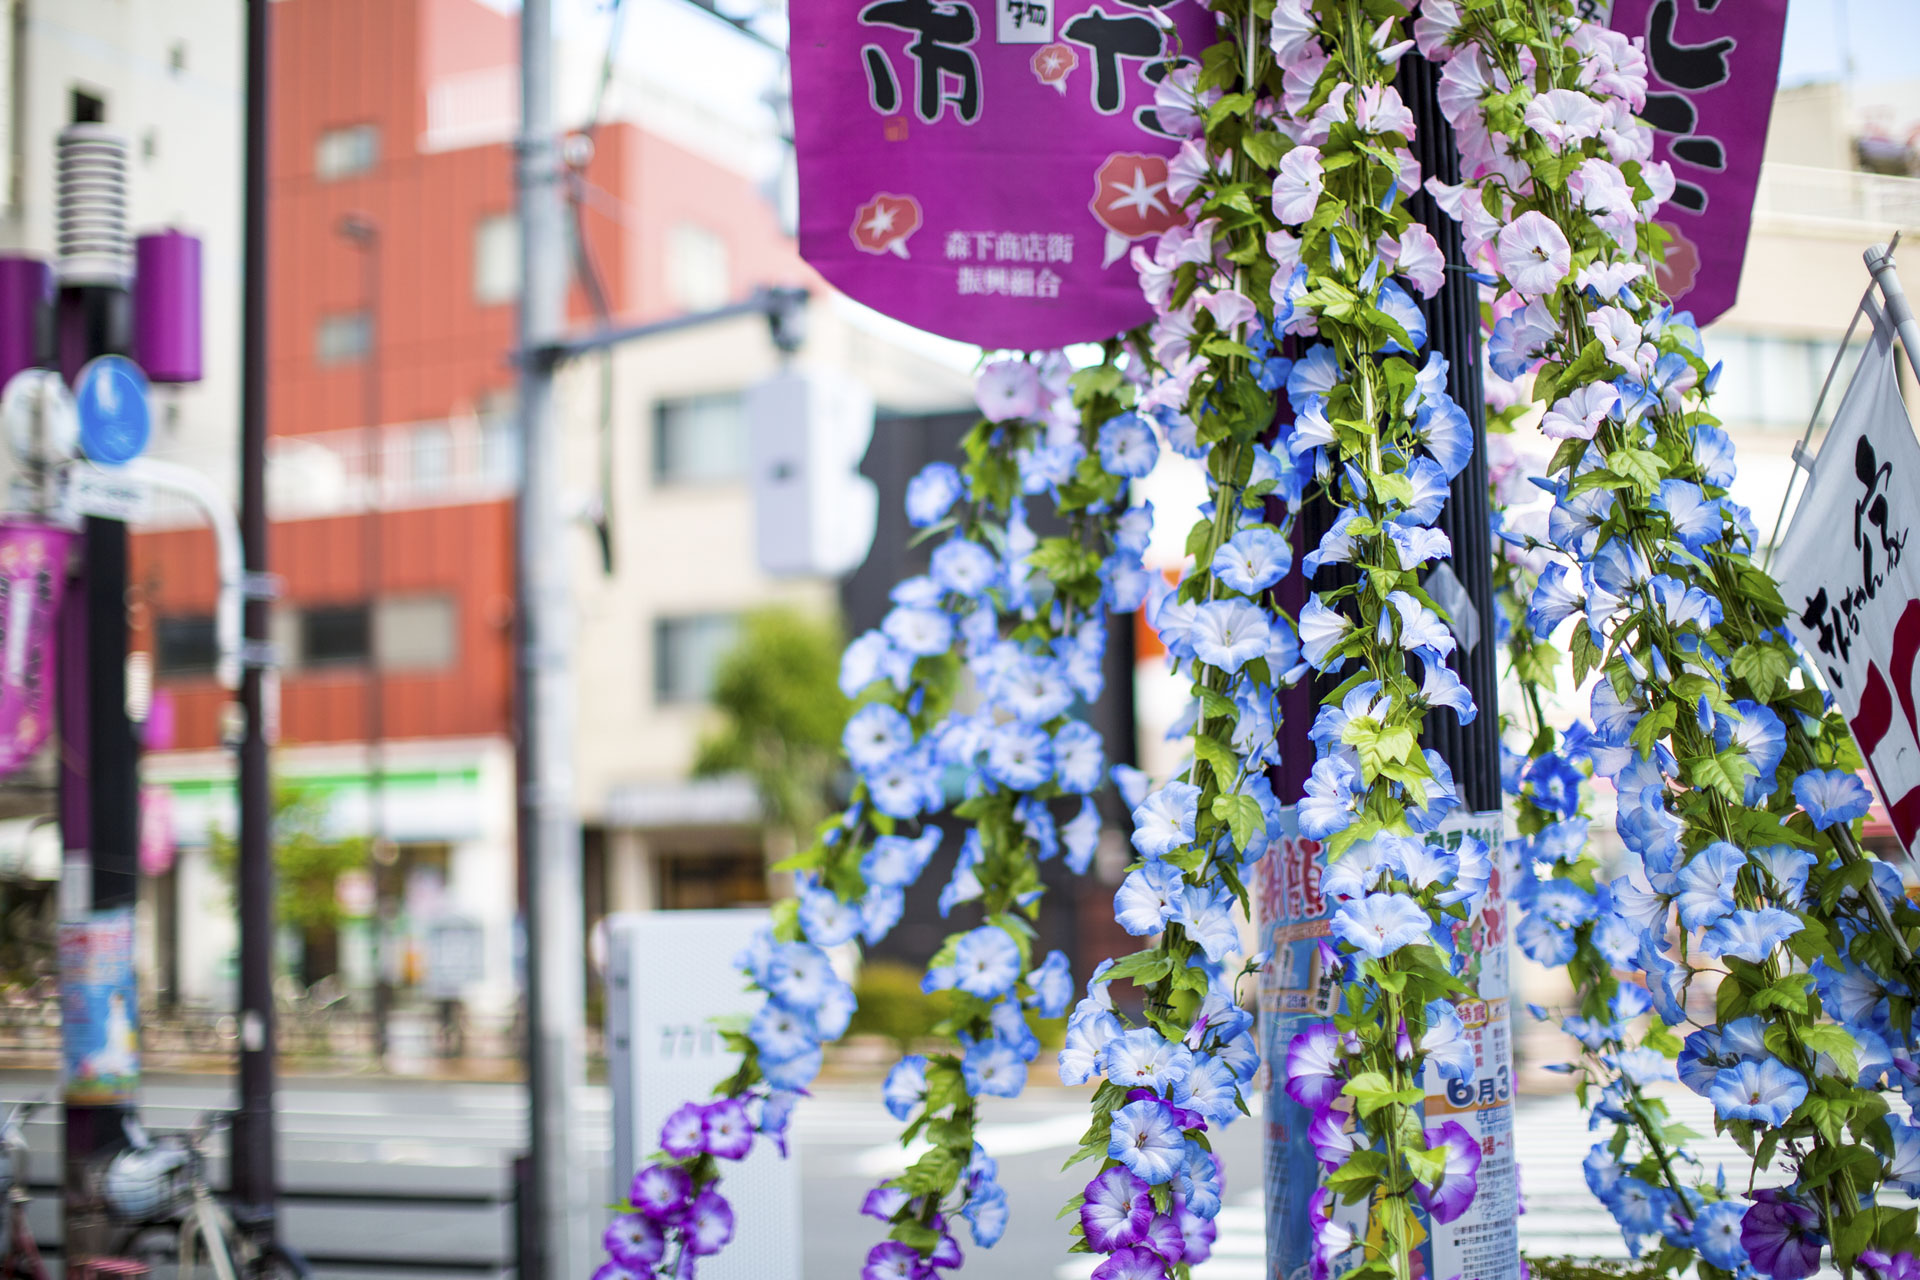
[
  {"x": 33, "y": 578},
  {"x": 1711, "y": 73},
  {"x": 1297, "y": 989},
  {"x": 981, "y": 168},
  {"x": 99, "y": 1009},
  {"x": 1852, "y": 592}
]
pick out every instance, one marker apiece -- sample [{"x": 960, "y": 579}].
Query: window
[
  {"x": 697, "y": 267},
  {"x": 416, "y": 633},
  {"x": 184, "y": 646},
  {"x": 1767, "y": 380},
  {"x": 706, "y": 881},
  {"x": 87, "y": 107},
  {"x": 342, "y": 153},
  {"x": 496, "y": 259},
  {"x": 334, "y": 635},
  {"x": 343, "y": 338},
  {"x": 687, "y": 653},
  {"x": 700, "y": 439}
]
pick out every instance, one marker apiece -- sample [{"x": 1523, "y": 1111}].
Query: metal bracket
[
  {"x": 255, "y": 585},
  {"x": 1803, "y": 457},
  {"x": 263, "y": 655}
]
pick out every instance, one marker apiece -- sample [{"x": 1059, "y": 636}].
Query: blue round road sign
[{"x": 110, "y": 397}]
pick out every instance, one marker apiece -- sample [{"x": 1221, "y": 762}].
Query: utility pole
[
  {"x": 549, "y": 832},
  {"x": 254, "y": 1169}
]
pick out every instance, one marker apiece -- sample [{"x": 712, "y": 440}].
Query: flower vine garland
[{"x": 1022, "y": 618}]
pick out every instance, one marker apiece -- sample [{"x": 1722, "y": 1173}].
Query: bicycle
[
  {"x": 175, "y": 1226},
  {"x": 19, "y": 1255}
]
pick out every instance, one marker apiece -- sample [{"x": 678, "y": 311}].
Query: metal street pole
[
  {"x": 254, "y": 1170},
  {"x": 549, "y": 832}
]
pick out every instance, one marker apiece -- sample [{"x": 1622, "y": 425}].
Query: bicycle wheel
[
  {"x": 185, "y": 1252},
  {"x": 276, "y": 1261}
]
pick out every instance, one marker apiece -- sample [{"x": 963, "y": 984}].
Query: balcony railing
[{"x": 1838, "y": 195}]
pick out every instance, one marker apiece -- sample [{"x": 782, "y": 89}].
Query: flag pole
[{"x": 1899, "y": 310}]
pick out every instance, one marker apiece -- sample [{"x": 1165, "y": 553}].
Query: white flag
[{"x": 1852, "y": 592}]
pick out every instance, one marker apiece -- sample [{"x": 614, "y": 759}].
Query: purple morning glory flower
[
  {"x": 1117, "y": 1210},
  {"x": 727, "y": 1131},
  {"x": 635, "y": 1240},
  {"x": 1333, "y": 1143},
  {"x": 1831, "y": 796},
  {"x": 660, "y": 1191},
  {"x": 1136, "y": 1263},
  {"x": 883, "y": 1202},
  {"x": 1461, "y": 1177},
  {"x": 1165, "y": 1238},
  {"x": 1780, "y": 1238},
  {"x": 891, "y": 1260},
  {"x": 709, "y": 1223},
  {"x": 684, "y": 1135},
  {"x": 1314, "y": 1066},
  {"x": 1147, "y": 1140}
]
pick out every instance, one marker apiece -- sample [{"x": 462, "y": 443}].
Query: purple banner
[
  {"x": 979, "y": 168},
  {"x": 33, "y": 577},
  {"x": 1711, "y": 73}
]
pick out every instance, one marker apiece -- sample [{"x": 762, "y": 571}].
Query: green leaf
[
  {"x": 1242, "y": 814},
  {"x": 1639, "y": 466},
  {"x": 1764, "y": 667},
  {"x": 1428, "y": 1166},
  {"x": 1218, "y": 756}
]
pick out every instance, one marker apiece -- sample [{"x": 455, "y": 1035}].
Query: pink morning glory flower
[{"x": 1534, "y": 254}]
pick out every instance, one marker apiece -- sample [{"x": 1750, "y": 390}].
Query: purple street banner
[
  {"x": 1712, "y": 66},
  {"x": 99, "y": 1007},
  {"x": 980, "y": 168},
  {"x": 33, "y": 577}
]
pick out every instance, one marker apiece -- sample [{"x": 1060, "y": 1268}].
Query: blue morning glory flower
[
  {"x": 1127, "y": 447},
  {"x": 896, "y": 862},
  {"x": 1206, "y": 913},
  {"x": 1557, "y": 596},
  {"x": 1713, "y": 450},
  {"x": 1615, "y": 938},
  {"x": 1761, "y": 737},
  {"x": 1332, "y": 796},
  {"x": 1440, "y": 687},
  {"x": 1228, "y": 634},
  {"x": 1398, "y": 305},
  {"x": 1019, "y": 756},
  {"x": 1751, "y": 935},
  {"x": 993, "y": 1069},
  {"x": 1786, "y": 867},
  {"x": 1416, "y": 544},
  {"x": 906, "y": 1086},
  {"x": 800, "y": 975},
  {"x": 1210, "y": 1089},
  {"x": 924, "y": 633},
  {"x": 1556, "y": 784},
  {"x": 1445, "y": 1043},
  {"x": 1147, "y": 898},
  {"x": 876, "y": 734},
  {"x": 1379, "y": 924},
  {"x": 1078, "y": 762},
  {"x": 1052, "y": 985},
  {"x": 1716, "y": 1234},
  {"x": 1764, "y": 1091},
  {"x": 986, "y": 1214},
  {"x": 1253, "y": 560},
  {"x": 780, "y": 1033},
  {"x": 1080, "y": 837},
  {"x": 880, "y": 911},
  {"x": 1143, "y": 1059},
  {"x": 827, "y": 920},
  {"x": 1165, "y": 820},
  {"x": 932, "y": 492},
  {"x": 794, "y": 1073},
  {"x": 1903, "y": 1165},
  {"x": 1429, "y": 481},
  {"x": 986, "y": 962},
  {"x": 907, "y": 785},
  {"x": 1315, "y": 373},
  {"x": 1147, "y": 1140},
  {"x": 1446, "y": 431},
  {"x": 1696, "y": 518},
  {"x": 964, "y": 568},
  {"x": 1831, "y": 796},
  {"x": 1089, "y": 1032},
  {"x": 1706, "y": 884}
]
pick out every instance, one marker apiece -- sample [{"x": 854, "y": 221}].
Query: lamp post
[{"x": 364, "y": 234}]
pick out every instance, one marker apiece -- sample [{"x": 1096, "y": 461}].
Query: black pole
[
  {"x": 254, "y": 1182},
  {"x": 1453, "y": 329}
]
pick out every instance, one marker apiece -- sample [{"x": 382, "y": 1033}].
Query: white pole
[
  {"x": 1899, "y": 310},
  {"x": 549, "y": 832}
]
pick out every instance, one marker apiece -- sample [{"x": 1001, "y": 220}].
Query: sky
[{"x": 1883, "y": 35}]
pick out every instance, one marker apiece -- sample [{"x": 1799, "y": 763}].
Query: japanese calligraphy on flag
[
  {"x": 1852, "y": 592},
  {"x": 1711, "y": 73},
  {"x": 981, "y": 168}
]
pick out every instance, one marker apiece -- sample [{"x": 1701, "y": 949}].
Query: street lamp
[{"x": 364, "y": 234}]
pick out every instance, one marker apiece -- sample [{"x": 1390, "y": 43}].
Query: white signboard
[
  {"x": 92, "y": 492},
  {"x": 1852, "y": 592},
  {"x": 669, "y": 974}
]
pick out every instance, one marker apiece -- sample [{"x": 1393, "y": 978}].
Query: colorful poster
[
  {"x": 33, "y": 577},
  {"x": 1852, "y": 594},
  {"x": 980, "y": 168},
  {"x": 99, "y": 1009},
  {"x": 1296, "y": 989},
  {"x": 1711, "y": 72}
]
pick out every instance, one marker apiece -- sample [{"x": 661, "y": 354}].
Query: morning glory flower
[
  {"x": 1127, "y": 447},
  {"x": 683, "y": 1135},
  {"x": 1417, "y": 544},
  {"x": 794, "y": 1074},
  {"x": 1206, "y": 913},
  {"x": 896, "y": 862},
  {"x": 1786, "y": 867},
  {"x": 660, "y": 1191},
  {"x": 1534, "y": 253},
  {"x": 709, "y": 1223},
  {"x": 1147, "y": 1140},
  {"x": 1080, "y": 837},
  {"x": 1751, "y": 935},
  {"x": 1556, "y": 784},
  {"x": 1578, "y": 414},
  {"x": 932, "y": 492},
  {"x": 1696, "y": 518},
  {"x": 1298, "y": 184},
  {"x": 1210, "y": 1089},
  {"x": 1543, "y": 941},
  {"x": 1761, "y": 737},
  {"x": 875, "y": 735},
  {"x": 1052, "y": 985},
  {"x": 1381, "y": 923},
  {"x": 986, "y": 1215},
  {"x": 1446, "y": 431},
  {"x": 1332, "y": 796},
  {"x": 987, "y": 962},
  {"x": 1398, "y": 305},
  {"x": 1564, "y": 118},
  {"x": 728, "y": 1132},
  {"x": 800, "y": 975},
  {"x": 1321, "y": 629},
  {"x": 1165, "y": 820},
  {"x": 1228, "y": 634},
  {"x": 1116, "y": 1210},
  {"x": 993, "y": 1069},
  {"x": 1089, "y": 1032},
  {"x": 1019, "y": 756},
  {"x": 1429, "y": 483},
  {"x": 906, "y": 1086},
  {"x": 1764, "y": 1091},
  {"x": 964, "y": 568},
  {"x": 1142, "y": 1059},
  {"x": 1200, "y": 1184},
  {"x": 907, "y": 785},
  {"x": 1444, "y": 1043},
  {"x": 892, "y": 1260},
  {"x": 1253, "y": 560},
  {"x": 1903, "y": 1166},
  {"x": 780, "y": 1033},
  {"x": 1781, "y": 1236},
  {"x": 1831, "y": 796},
  {"x": 1706, "y": 884},
  {"x": 1557, "y": 596},
  {"x": 1421, "y": 630},
  {"x": 1078, "y": 764},
  {"x": 1461, "y": 1176},
  {"x": 635, "y": 1241},
  {"x": 827, "y": 920}
]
